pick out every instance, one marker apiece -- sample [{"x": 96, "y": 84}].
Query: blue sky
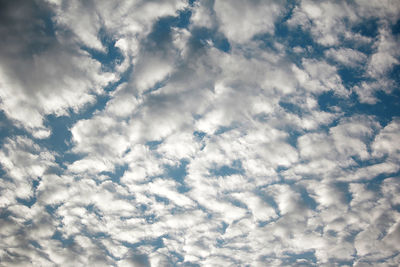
[{"x": 199, "y": 133}]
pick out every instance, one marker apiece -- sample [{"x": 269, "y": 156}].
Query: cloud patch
[{"x": 169, "y": 133}]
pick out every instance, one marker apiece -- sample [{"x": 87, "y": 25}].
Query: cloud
[
  {"x": 23, "y": 163},
  {"x": 324, "y": 20},
  {"x": 45, "y": 73},
  {"x": 163, "y": 133},
  {"x": 257, "y": 17},
  {"x": 346, "y": 56},
  {"x": 331, "y": 24},
  {"x": 383, "y": 143},
  {"x": 352, "y": 136}
]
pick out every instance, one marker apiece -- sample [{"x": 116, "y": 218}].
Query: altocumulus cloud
[{"x": 199, "y": 133}]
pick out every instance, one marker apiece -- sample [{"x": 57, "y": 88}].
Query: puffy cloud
[
  {"x": 318, "y": 76},
  {"x": 353, "y": 135},
  {"x": 332, "y": 24},
  {"x": 203, "y": 14},
  {"x": 325, "y": 20},
  {"x": 43, "y": 73},
  {"x": 257, "y": 17},
  {"x": 386, "y": 55},
  {"x": 384, "y": 143},
  {"x": 24, "y": 163},
  {"x": 198, "y": 133},
  {"x": 347, "y": 57},
  {"x": 379, "y": 65}
]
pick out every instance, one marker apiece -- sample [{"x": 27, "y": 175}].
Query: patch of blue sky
[
  {"x": 368, "y": 27},
  {"x": 160, "y": 35},
  {"x": 60, "y": 138},
  {"x": 165, "y": 24},
  {"x": 4, "y": 214},
  {"x": 177, "y": 258},
  {"x": 343, "y": 187},
  {"x": 116, "y": 174},
  {"x": 394, "y": 74},
  {"x": 8, "y": 128},
  {"x": 91, "y": 208},
  {"x": 31, "y": 200},
  {"x": 350, "y": 76},
  {"x": 199, "y": 135},
  {"x": 375, "y": 183},
  {"x": 95, "y": 235},
  {"x": 292, "y": 108},
  {"x": 224, "y": 129},
  {"x": 161, "y": 199},
  {"x": 284, "y": 34},
  {"x": 26, "y": 202},
  {"x": 364, "y": 162},
  {"x": 157, "y": 86},
  {"x": 268, "y": 199},
  {"x": 51, "y": 209},
  {"x": 154, "y": 242},
  {"x": 178, "y": 173},
  {"x": 222, "y": 228},
  {"x": 384, "y": 260},
  {"x": 300, "y": 259},
  {"x": 386, "y": 108},
  {"x": 153, "y": 145},
  {"x": 35, "y": 244},
  {"x": 293, "y": 135},
  {"x": 227, "y": 170},
  {"x": 396, "y": 28},
  {"x": 48, "y": 26},
  {"x": 292, "y": 37},
  {"x": 309, "y": 202},
  {"x": 112, "y": 55},
  {"x": 237, "y": 203},
  {"x": 65, "y": 241},
  {"x": 191, "y": 264},
  {"x": 201, "y": 35}
]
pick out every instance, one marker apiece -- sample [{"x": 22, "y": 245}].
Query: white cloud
[
  {"x": 23, "y": 162},
  {"x": 351, "y": 136},
  {"x": 203, "y": 14},
  {"x": 384, "y": 143},
  {"x": 346, "y": 56},
  {"x": 75, "y": 76},
  {"x": 256, "y": 18},
  {"x": 325, "y": 20},
  {"x": 386, "y": 55},
  {"x": 259, "y": 208},
  {"x": 198, "y": 156},
  {"x": 318, "y": 76}
]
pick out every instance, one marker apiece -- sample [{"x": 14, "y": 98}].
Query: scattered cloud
[{"x": 180, "y": 133}]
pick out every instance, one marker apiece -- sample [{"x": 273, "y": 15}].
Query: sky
[{"x": 199, "y": 133}]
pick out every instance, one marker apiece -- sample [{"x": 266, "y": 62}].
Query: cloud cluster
[{"x": 199, "y": 133}]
